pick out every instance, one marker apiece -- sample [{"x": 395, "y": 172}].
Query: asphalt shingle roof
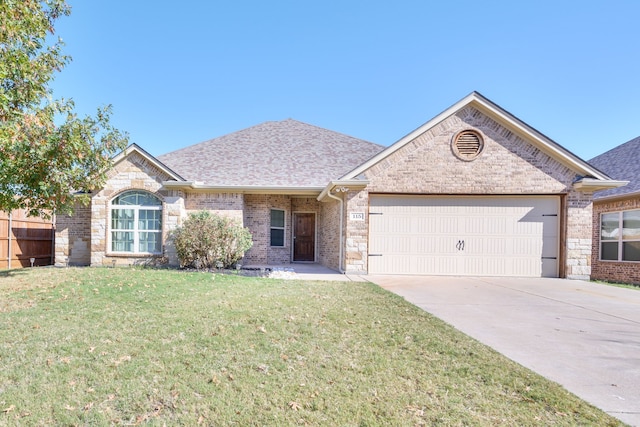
[
  {"x": 285, "y": 153},
  {"x": 620, "y": 163}
]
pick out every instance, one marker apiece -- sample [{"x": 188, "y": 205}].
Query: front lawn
[{"x": 115, "y": 346}]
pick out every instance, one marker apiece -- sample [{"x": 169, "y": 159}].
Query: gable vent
[{"x": 467, "y": 145}]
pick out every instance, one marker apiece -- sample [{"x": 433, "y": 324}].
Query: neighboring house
[
  {"x": 616, "y": 217},
  {"x": 474, "y": 191}
]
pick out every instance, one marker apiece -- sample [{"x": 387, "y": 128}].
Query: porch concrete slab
[
  {"x": 307, "y": 271},
  {"x": 582, "y": 335}
]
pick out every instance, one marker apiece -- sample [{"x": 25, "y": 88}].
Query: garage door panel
[
  {"x": 496, "y": 225},
  {"x": 390, "y": 244},
  {"x": 497, "y": 236},
  {"x": 495, "y": 246},
  {"x": 424, "y": 244},
  {"x": 550, "y": 225},
  {"x": 428, "y": 225},
  {"x": 549, "y": 247},
  {"x": 473, "y": 225},
  {"x": 393, "y": 262},
  {"x": 447, "y": 225}
]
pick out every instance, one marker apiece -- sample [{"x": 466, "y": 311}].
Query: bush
[{"x": 205, "y": 238}]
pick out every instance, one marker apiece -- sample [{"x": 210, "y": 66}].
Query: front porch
[{"x": 302, "y": 271}]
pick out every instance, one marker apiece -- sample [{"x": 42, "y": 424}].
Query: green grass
[
  {"x": 618, "y": 285},
  {"x": 130, "y": 347}
]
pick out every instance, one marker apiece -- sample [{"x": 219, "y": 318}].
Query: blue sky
[{"x": 178, "y": 73}]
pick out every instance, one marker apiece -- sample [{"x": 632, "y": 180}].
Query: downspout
[{"x": 341, "y": 251}]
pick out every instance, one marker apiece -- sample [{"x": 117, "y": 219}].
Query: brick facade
[
  {"x": 83, "y": 240},
  {"x": 257, "y": 217},
  {"x": 228, "y": 204},
  {"x": 329, "y": 233},
  {"x": 612, "y": 271},
  {"x": 509, "y": 165}
]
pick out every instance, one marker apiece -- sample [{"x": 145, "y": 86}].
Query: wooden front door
[{"x": 304, "y": 236}]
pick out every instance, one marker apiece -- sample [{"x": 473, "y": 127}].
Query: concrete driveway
[{"x": 582, "y": 335}]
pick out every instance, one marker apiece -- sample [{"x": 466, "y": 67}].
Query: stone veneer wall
[
  {"x": 173, "y": 213},
  {"x": 509, "y": 165},
  {"x": 579, "y": 212},
  {"x": 132, "y": 173},
  {"x": 612, "y": 271},
  {"x": 73, "y": 237},
  {"x": 357, "y": 232}
]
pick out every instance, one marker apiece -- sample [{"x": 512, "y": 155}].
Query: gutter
[
  {"x": 343, "y": 183},
  {"x": 592, "y": 184}
]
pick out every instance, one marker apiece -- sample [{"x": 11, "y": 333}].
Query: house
[
  {"x": 474, "y": 191},
  {"x": 616, "y": 217}
]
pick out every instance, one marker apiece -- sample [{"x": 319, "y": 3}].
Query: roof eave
[
  {"x": 243, "y": 189},
  {"x": 592, "y": 184},
  {"x": 342, "y": 186},
  {"x": 614, "y": 197}
]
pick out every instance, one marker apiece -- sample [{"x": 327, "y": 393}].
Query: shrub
[{"x": 205, "y": 238}]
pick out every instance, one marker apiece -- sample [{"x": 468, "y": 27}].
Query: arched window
[{"x": 136, "y": 223}]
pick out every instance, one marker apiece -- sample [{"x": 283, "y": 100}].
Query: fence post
[
  {"x": 53, "y": 239},
  {"x": 9, "y": 231}
]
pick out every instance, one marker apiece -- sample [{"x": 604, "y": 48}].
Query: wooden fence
[{"x": 24, "y": 238}]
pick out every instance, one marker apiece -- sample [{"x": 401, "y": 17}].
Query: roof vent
[{"x": 467, "y": 145}]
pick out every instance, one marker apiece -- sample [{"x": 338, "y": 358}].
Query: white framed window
[
  {"x": 620, "y": 236},
  {"x": 136, "y": 223},
  {"x": 277, "y": 228}
]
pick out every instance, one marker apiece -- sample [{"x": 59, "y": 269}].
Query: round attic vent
[{"x": 467, "y": 145}]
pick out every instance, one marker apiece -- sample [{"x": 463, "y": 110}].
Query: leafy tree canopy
[{"x": 47, "y": 152}]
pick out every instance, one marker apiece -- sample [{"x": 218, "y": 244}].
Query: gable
[
  {"x": 136, "y": 154},
  {"x": 135, "y": 171},
  {"x": 507, "y": 164},
  {"x": 539, "y": 153}
]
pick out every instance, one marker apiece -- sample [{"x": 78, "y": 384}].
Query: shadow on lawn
[{"x": 13, "y": 272}]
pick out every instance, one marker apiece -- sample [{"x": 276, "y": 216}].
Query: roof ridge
[
  {"x": 283, "y": 152},
  {"x": 333, "y": 131},
  {"x": 248, "y": 129},
  {"x": 217, "y": 137}
]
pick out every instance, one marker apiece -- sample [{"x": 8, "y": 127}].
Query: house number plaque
[{"x": 356, "y": 216}]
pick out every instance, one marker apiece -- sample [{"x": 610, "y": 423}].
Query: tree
[{"x": 47, "y": 152}]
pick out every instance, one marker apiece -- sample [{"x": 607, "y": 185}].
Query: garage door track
[{"x": 582, "y": 335}]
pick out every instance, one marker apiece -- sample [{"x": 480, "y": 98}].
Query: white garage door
[{"x": 473, "y": 236}]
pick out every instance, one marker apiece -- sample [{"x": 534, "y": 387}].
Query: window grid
[
  {"x": 620, "y": 236},
  {"x": 136, "y": 228}
]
